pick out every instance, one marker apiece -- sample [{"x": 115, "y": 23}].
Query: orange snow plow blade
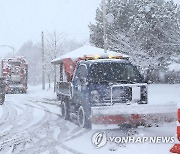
[{"x": 132, "y": 115}]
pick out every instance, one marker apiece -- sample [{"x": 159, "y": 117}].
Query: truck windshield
[
  {"x": 14, "y": 63},
  {"x": 114, "y": 72}
]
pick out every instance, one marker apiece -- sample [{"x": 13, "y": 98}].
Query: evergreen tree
[{"x": 147, "y": 30}]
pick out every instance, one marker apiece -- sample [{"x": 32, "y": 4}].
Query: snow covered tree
[
  {"x": 147, "y": 30},
  {"x": 57, "y": 44},
  {"x": 32, "y": 53}
]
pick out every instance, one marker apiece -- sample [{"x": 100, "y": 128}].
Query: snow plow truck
[
  {"x": 15, "y": 74},
  {"x": 98, "y": 89}
]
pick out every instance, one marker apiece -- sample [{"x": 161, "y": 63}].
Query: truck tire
[
  {"x": 64, "y": 110},
  {"x": 82, "y": 118}
]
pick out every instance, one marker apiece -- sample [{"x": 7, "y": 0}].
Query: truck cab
[{"x": 99, "y": 79}]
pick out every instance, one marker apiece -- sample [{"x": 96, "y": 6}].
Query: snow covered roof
[{"x": 85, "y": 50}]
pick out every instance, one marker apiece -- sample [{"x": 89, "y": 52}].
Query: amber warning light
[{"x": 104, "y": 57}]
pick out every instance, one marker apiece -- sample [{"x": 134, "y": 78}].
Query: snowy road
[
  {"x": 32, "y": 124},
  {"x": 29, "y": 126}
]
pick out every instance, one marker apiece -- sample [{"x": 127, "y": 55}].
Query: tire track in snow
[
  {"x": 49, "y": 142},
  {"x": 68, "y": 135},
  {"x": 76, "y": 132},
  {"x": 79, "y": 134},
  {"x": 40, "y": 132},
  {"x": 26, "y": 138},
  {"x": 43, "y": 144},
  {"x": 18, "y": 134},
  {"x": 22, "y": 117},
  {"x": 5, "y": 114},
  {"x": 15, "y": 135},
  {"x": 9, "y": 120}
]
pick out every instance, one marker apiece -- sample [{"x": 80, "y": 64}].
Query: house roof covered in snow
[{"x": 86, "y": 50}]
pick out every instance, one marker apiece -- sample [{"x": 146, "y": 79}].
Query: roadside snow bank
[
  {"x": 164, "y": 93},
  {"x": 39, "y": 94}
]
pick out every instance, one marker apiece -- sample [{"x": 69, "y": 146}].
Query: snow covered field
[{"x": 31, "y": 123}]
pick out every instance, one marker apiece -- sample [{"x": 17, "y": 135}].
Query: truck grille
[{"x": 119, "y": 94}]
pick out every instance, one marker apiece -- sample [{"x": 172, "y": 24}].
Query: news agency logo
[{"x": 99, "y": 139}]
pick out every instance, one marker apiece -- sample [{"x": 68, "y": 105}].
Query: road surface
[{"x": 31, "y": 123}]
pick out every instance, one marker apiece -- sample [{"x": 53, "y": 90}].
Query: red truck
[{"x": 15, "y": 74}]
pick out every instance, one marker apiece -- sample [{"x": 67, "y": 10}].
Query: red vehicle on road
[{"x": 15, "y": 74}]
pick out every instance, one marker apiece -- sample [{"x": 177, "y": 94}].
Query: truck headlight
[{"x": 95, "y": 97}]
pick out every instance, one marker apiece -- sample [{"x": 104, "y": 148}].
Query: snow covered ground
[{"x": 32, "y": 123}]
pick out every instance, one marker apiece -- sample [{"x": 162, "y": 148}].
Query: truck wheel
[
  {"x": 64, "y": 110},
  {"x": 82, "y": 118}
]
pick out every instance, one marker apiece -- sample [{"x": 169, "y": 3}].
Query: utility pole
[
  {"x": 43, "y": 67},
  {"x": 105, "y": 26},
  {"x": 55, "y": 42}
]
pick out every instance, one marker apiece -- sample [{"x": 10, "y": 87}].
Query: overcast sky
[{"x": 23, "y": 20}]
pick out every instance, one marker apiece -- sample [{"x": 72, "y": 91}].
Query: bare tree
[{"x": 56, "y": 44}]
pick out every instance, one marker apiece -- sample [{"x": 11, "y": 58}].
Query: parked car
[{"x": 2, "y": 90}]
